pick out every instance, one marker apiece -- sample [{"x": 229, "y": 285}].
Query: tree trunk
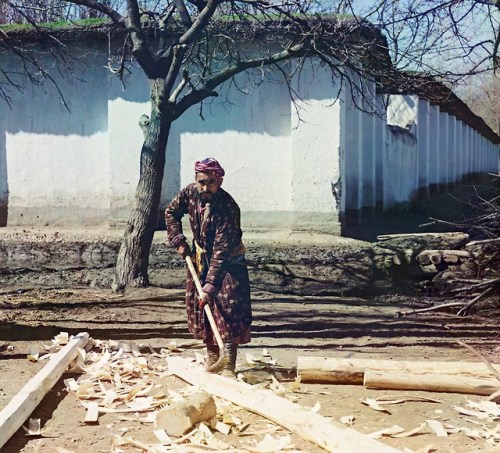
[{"x": 133, "y": 257}]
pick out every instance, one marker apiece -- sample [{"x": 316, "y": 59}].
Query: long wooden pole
[
  {"x": 351, "y": 371},
  {"x": 392, "y": 380},
  {"x": 311, "y": 426},
  {"x": 27, "y": 399}
]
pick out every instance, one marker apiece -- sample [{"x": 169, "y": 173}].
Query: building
[{"x": 310, "y": 162}]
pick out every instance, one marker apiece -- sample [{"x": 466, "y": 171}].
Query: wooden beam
[
  {"x": 313, "y": 427},
  {"x": 27, "y": 399},
  {"x": 351, "y": 371},
  {"x": 448, "y": 383}
]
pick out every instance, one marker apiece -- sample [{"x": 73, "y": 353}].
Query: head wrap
[{"x": 209, "y": 165}]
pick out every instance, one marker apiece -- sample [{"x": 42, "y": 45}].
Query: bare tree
[
  {"x": 483, "y": 97},
  {"x": 188, "y": 50}
]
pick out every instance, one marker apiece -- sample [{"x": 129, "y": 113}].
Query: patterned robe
[{"x": 217, "y": 231}]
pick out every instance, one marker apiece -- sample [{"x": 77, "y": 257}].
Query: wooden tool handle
[{"x": 206, "y": 307}]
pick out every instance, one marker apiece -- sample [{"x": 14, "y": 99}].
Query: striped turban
[{"x": 209, "y": 165}]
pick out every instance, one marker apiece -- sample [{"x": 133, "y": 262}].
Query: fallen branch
[
  {"x": 484, "y": 241},
  {"x": 435, "y": 307},
  {"x": 490, "y": 366},
  {"x": 464, "y": 311},
  {"x": 24, "y": 403},
  {"x": 476, "y": 286}
]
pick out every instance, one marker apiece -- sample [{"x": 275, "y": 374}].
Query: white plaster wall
[
  {"x": 56, "y": 157},
  {"x": 402, "y": 111},
  {"x": 124, "y": 142},
  {"x": 125, "y": 138},
  {"x": 379, "y": 140},
  {"x": 257, "y": 167},
  {"x": 444, "y": 148},
  {"x": 454, "y": 146},
  {"x": 315, "y": 143},
  {"x": 400, "y": 160},
  {"x": 351, "y": 149},
  {"x": 423, "y": 143},
  {"x": 4, "y": 185},
  {"x": 367, "y": 193},
  {"x": 48, "y": 170},
  {"x": 250, "y": 135},
  {"x": 435, "y": 152}
]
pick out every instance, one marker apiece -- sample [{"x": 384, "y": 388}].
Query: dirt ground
[{"x": 333, "y": 310}]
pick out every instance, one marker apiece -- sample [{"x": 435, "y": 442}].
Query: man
[{"x": 219, "y": 260}]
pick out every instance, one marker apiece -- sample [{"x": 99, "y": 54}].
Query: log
[
  {"x": 179, "y": 418},
  {"x": 351, "y": 371},
  {"x": 446, "y": 383},
  {"x": 27, "y": 399},
  {"x": 311, "y": 426},
  {"x": 437, "y": 256}
]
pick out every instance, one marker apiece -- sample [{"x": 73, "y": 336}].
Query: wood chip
[
  {"x": 162, "y": 436},
  {"x": 437, "y": 427},
  {"x": 92, "y": 414},
  {"x": 271, "y": 444},
  {"x": 392, "y": 430},
  {"x": 411, "y": 432},
  {"x": 221, "y": 427},
  {"x": 34, "y": 354},
  {"x": 71, "y": 385},
  {"x": 347, "y": 420},
  {"x": 61, "y": 339},
  {"x": 34, "y": 428},
  {"x": 394, "y": 399},
  {"x": 374, "y": 404}
]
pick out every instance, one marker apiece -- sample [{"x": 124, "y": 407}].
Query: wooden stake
[
  {"x": 24, "y": 403},
  {"x": 311, "y": 426},
  {"x": 351, "y": 371},
  {"x": 392, "y": 380}
]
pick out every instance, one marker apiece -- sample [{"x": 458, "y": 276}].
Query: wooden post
[
  {"x": 351, "y": 371},
  {"x": 313, "y": 427},
  {"x": 24, "y": 403}
]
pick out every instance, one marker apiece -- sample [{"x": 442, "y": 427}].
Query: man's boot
[
  {"x": 212, "y": 355},
  {"x": 231, "y": 352}
]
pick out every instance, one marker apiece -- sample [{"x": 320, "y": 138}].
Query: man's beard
[{"x": 206, "y": 197}]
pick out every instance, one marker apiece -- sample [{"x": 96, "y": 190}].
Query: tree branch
[
  {"x": 140, "y": 49},
  {"x": 185, "y": 79},
  {"x": 175, "y": 66},
  {"x": 200, "y": 23},
  {"x": 217, "y": 79},
  {"x": 115, "y": 16},
  {"x": 183, "y": 13}
]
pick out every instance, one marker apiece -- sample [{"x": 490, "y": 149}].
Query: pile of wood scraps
[{"x": 134, "y": 392}]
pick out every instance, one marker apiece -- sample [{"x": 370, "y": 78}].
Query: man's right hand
[
  {"x": 183, "y": 250},
  {"x": 205, "y": 299}
]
